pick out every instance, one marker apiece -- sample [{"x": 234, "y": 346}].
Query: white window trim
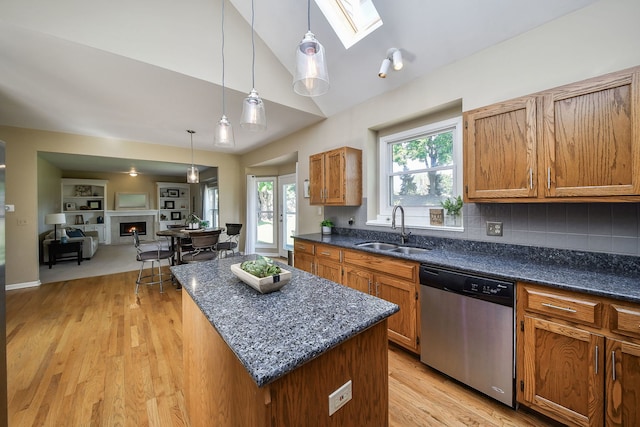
[{"x": 416, "y": 217}]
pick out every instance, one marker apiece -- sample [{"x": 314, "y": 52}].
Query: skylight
[{"x": 352, "y": 20}]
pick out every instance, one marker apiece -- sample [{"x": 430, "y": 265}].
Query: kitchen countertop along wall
[{"x": 614, "y": 276}]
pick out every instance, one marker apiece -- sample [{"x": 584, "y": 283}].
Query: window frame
[{"x": 415, "y": 217}]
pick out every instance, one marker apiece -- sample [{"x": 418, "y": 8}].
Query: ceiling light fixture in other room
[
  {"x": 223, "y": 136},
  {"x": 253, "y": 115},
  {"x": 394, "y": 57},
  {"x": 193, "y": 174},
  {"x": 133, "y": 172},
  {"x": 311, "y": 77}
]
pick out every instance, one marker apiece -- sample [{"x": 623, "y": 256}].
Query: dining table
[{"x": 181, "y": 233}]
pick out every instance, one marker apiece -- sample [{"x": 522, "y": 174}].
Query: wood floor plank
[{"x": 89, "y": 352}]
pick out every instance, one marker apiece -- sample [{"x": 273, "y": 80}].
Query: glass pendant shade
[
  {"x": 311, "y": 77},
  {"x": 193, "y": 175},
  {"x": 253, "y": 115},
  {"x": 223, "y": 136}
]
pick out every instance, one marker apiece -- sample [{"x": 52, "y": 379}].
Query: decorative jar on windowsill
[{"x": 453, "y": 206}]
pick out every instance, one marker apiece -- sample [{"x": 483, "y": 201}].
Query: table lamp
[{"x": 55, "y": 219}]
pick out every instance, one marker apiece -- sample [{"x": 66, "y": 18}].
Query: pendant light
[
  {"x": 311, "y": 77},
  {"x": 193, "y": 174},
  {"x": 253, "y": 116},
  {"x": 223, "y": 136}
]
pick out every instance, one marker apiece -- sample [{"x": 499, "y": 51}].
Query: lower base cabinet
[
  {"x": 389, "y": 278},
  {"x": 578, "y": 357}
]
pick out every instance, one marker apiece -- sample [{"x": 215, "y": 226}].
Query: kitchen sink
[
  {"x": 409, "y": 250},
  {"x": 381, "y": 246}
]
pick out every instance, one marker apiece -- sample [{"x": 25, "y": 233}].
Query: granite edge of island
[{"x": 273, "y": 334}]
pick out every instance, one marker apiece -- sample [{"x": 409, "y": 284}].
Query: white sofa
[{"x": 89, "y": 244}]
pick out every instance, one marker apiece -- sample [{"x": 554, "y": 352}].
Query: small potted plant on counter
[
  {"x": 326, "y": 226},
  {"x": 453, "y": 207}
]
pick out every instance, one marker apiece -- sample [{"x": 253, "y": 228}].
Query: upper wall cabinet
[
  {"x": 500, "y": 148},
  {"x": 579, "y": 142},
  {"x": 335, "y": 177}
]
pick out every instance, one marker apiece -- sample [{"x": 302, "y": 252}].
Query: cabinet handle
[
  {"x": 377, "y": 285},
  {"x": 597, "y": 357},
  {"x": 613, "y": 365},
  {"x": 369, "y": 284},
  {"x": 530, "y": 179},
  {"x": 548, "y": 178},
  {"x": 325, "y": 253},
  {"x": 570, "y": 310}
]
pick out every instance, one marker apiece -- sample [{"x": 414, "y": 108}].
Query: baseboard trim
[{"x": 24, "y": 285}]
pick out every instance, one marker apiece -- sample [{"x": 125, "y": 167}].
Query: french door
[
  {"x": 287, "y": 202},
  {"x": 266, "y": 209}
]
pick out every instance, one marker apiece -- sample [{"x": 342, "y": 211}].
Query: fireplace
[{"x": 126, "y": 228}]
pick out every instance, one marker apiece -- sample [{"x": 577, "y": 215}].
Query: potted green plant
[
  {"x": 453, "y": 206},
  {"x": 326, "y": 226},
  {"x": 204, "y": 224}
]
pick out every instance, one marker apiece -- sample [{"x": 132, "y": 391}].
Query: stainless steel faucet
[{"x": 403, "y": 236}]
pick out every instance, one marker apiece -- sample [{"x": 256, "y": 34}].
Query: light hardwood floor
[{"x": 87, "y": 352}]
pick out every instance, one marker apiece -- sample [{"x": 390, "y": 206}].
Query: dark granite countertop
[
  {"x": 273, "y": 334},
  {"x": 599, "y": 274}
]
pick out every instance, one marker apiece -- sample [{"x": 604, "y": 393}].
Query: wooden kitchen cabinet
[
  {"x": 335, "y": 177},
  {"x": 578, "y": 357},
  {"x": 304, "y": 256},
  {"x": 500, "y": 150},
  {"x": 578, "y": 142},
  {"x": 329, "y": 263},
  {"x": 374, "y": 274},
  {"x": 560, "y": 371}
]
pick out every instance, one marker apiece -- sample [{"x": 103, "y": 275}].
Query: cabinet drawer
[
  {"x": 559, "y": 305},
  {"x": 304, "y": 247},
  {"x": 383, "y": 264},
  {"x": 329, "y": 252},
  {"x": 625, "y": 320}
]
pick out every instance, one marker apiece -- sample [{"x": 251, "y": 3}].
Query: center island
[{"x": 253, "y": 359}]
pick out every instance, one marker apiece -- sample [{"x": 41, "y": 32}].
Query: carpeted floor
[{"x": 108, "y": 259}]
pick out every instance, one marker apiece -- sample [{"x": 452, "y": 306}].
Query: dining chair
[{"x": 204, "y": 246}]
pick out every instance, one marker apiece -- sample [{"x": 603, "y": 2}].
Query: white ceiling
[{"x": 148, "y": 70}]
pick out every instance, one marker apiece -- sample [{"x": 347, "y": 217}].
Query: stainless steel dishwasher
[{"x": 468, "y": 330}]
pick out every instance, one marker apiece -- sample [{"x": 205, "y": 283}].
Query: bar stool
[
  {"x": 151, "y": 252},
  {"x": 231, "y": 243}
]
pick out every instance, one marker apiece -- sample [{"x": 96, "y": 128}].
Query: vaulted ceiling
[{"x": 150, "y": 69}]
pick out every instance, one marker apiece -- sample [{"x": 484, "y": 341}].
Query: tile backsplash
[{"x": 596, "y": 227}]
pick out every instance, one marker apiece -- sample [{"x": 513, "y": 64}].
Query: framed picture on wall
[
  {"x": 176, "y": 215},
  {"x": 169, "y": 204},
  {"x": 173, "y": 192}
]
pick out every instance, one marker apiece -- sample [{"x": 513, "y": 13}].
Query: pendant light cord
[
  {"x": 253, "y": 48},
  {"x": 308, "y": 15},
  {"x": 222, "y": 26}
]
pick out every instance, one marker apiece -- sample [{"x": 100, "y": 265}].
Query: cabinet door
[
  {"x": 316, "y": 179},
  {"x": 329, "y": 270},
  {"x": 305, "y": 262},
  {"x": 403, "y": 324},
  {"x": 623, "y": 383},
  {"x": 500, "y": 148},
  {"x": 356, "y": 278},
  {"x": 563, "y": 371},
  {"x": 592, "y": 137},
  {"x": 334, "y": 169}
]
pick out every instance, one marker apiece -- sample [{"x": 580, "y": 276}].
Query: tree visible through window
[{"x": 420, "y": 168}]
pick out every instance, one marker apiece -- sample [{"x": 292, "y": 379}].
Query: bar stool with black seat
[
  {"x": 231, "y": 243},
  {"x": 204, "y": 246},
  {"x": 152, "y": 252}
]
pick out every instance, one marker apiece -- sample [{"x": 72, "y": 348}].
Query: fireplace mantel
[{"x": 114, "y": 217}]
